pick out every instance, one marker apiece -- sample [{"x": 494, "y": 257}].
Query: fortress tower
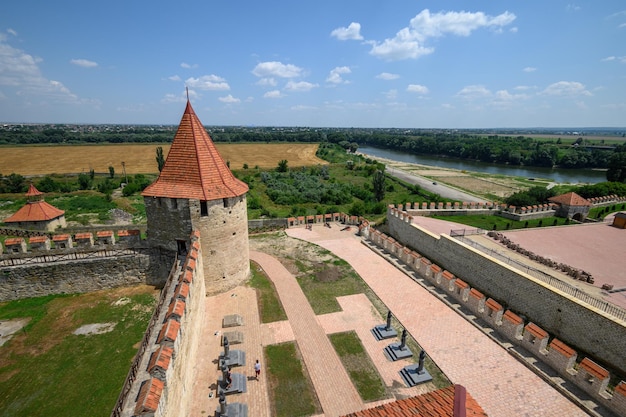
[{"x": 197, "y": 191}]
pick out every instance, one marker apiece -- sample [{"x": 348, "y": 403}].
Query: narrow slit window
[{"x": 204, "y": 209}]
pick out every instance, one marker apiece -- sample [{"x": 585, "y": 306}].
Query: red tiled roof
[
  {"x": 439, "y": 403},
  {"x": 32, "y": 191},
  {"x": 570, "y": 199},
  {"x": 536, "y": 331},
  {"x": 83, "y": 235},
  {"x": 562, "y": 348},
  {"x": 35, "y": 211},
  {"x": 169, "y": 331},
  {"x": 14, "y": 241},
  {"x": 193, "y": 168},
  {"x": 149, "y": 396},
  {"x": 176, "y": 307},
  {"x": 161, "y": 358},
  {"x": 594, "y": 369},
  {"x": 38, "y": 239},
  {"x": 60, "y": 238}
]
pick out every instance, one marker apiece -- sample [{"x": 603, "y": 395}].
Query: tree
[
  {"x": 111, "y": 172},
  {"x": 378, "y": 184},
  {"x": 617, "y": 167},
  {"x": 84, "y": 181},
  {"x": 160, "y": 159},
  {"x": 282, "y": 165},
  {"x": 15, "y": 183}
]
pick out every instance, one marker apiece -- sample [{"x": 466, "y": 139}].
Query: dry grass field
[{"x": 43, "y": 160}]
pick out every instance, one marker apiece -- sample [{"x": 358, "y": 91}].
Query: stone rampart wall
[
  {"x": 162, "y": 381},
  {"x": 588, "y": 375},
  {"x": 583, "y": 326}
]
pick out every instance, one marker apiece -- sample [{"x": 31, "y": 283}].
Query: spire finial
[{"x": 187, "y": 90}]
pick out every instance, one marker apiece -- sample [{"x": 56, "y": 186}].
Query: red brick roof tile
[
  {"x": 476, "y": 294},
  {"x": 621, "y": 389},
  {"x": 493, "y": 305},
  {"x": 161, "y": 358},
  {"x": 194, "y": 168},
  {"x": 512, "y": 317},
  {"x": 149, "y": 396},
  {"x": 439, "y": 403},
  {"x": 169, "y": 331},
  {"x": 562, "y": 348},
  {"x": 104, "y": 233},
  {"x": 13, "y": 241},
  {"x": 38, "y": 239},
  {"x": 32, "y": 191},
  {"x": 182, "y": 290},
  {"x": 61, "y": 238},
  {"x": 130, "y": 232},
  {"x": 536, "y": 331},
  {"x": 570, "y": 199},
  {"x": 35, "y": 211},
  {"x": 83, "y": 235},
  {"x": 177, "y": 307},
  {"x": 594, "y": 369}
]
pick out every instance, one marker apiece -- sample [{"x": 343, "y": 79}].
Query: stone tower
[{"x": 197, "y": 191}]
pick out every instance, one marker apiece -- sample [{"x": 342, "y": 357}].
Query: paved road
[{"x": 428, "y": 184}]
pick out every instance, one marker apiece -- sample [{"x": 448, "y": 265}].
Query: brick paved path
[
  {"x": 332, "y": 384},
  {"x": 501, "y": 385}
]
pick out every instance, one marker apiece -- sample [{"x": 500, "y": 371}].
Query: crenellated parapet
[{"x": 587, "y": 374}]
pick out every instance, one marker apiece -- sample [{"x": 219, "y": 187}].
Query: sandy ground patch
[
  {"x": 478, "y": 185},
  {"x": 9, "y": 327},
  {"x": 95, "y": 328}
]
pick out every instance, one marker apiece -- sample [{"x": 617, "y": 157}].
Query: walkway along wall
[
  {"x": 160, "y": 381},
  {"x": 579, "y": 324},
  {"x": 588, "y": 375}
]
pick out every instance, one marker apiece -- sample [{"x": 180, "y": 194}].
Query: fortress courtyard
[{"x": 499, "y": 383}]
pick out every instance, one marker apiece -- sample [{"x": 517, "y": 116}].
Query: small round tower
[{"x": 197, "y": 191}]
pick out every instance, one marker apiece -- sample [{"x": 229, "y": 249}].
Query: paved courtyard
[
  {"x": 501, "y": 385},
  {"x": 597, "y": 248}
]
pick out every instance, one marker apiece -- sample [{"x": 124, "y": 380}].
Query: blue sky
[{"x": 346, "y": 63}]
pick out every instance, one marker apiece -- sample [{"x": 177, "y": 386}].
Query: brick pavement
[{"x": 501, "y": 385}]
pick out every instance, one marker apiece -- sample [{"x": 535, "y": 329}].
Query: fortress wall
[
  {"x": 169, "y": 220},
  {"x": 76, "y": 276},
  {"x": 225, "y": 248},
  {"x": 587, "y": 375},
  {"x": 162, "y": 384},
  {"x": 572, "y": 321}
]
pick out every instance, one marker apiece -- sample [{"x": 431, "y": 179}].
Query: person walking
[{"x": 257, "y": 369}]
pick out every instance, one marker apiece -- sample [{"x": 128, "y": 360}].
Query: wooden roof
[{"x": 193, "y": 168}]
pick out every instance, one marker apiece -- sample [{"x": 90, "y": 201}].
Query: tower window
[
  {"x": 174, "y": 203},
  {"x": 204, "y": 209}
]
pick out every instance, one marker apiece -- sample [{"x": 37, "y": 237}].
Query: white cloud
[
  {"x": 277, "y": 69},
  {"x": 302, "y": 107},
  {"x": 85, "y": 63},
  {"x": 273, "y": 94},
  {"x": 410, "y": 41},
  {"x": 188, "y": 66},
  {"x": 472, "y": 92},
  {"x": 208, "y": 82},
  {"x": 524, "y": 87},
  {"x": 416, "y": 88},
  {"x": 300, "y": 86},
  {"x": 174, "y": 78},
  {"x": 12, "y": 32},
  {"x": 572, "y": 7},
  {"x": 174, "y": 98},
  {"x": 566, "y": 89},
  {"x": 504, "y": 95},
  {"x": 229, "y": 99},
  {"x": 391, "y": 94},
  {"x": 352, "y": 32},
  {"x": 271, "y": 82},
  {"x": 20, "y": 71},
  {"x": 387, "y": 76},
  {"x": 514, "y": 29},
  {"x": 335, "y": 75},
  {"x": 621, "y": 59},
  {"x": 529, "y": 69}
]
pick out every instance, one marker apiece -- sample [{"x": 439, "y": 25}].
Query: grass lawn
[
  {"x": 270, "y": 307},
  {"x": 486, "y": 222},
  {"x": 47, "y": 370},
  {"x": 291, "y": 391},
  {"x": 362, "y": 371}
]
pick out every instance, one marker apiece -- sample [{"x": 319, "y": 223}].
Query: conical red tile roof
[
  {"x": 33, "y": 191},
  {"x": 35, "y": 211},
  {"x": 193, "y": 168}
]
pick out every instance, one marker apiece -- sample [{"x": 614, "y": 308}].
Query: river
[{"x": 573, "y": 176}]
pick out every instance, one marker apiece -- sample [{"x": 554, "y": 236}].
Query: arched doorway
[{"x": 578, "y": 217}]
